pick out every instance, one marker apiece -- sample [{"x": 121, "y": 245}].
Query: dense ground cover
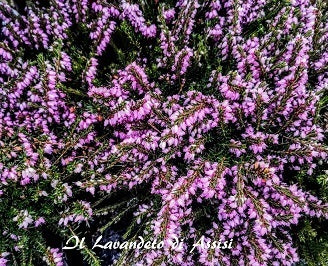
[{"x": 165, "y": 120}]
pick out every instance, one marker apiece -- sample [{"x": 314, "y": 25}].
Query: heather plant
[{"x": 188, "y": 119}]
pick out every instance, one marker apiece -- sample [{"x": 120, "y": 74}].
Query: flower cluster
[
  {"x": 54, "y": 257},
  {"x": 205, "y": 111}
]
